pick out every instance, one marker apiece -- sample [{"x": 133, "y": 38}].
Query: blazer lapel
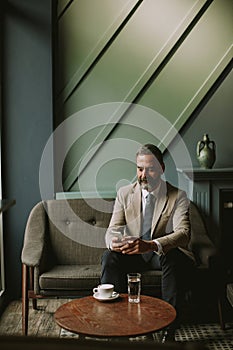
[
  {"x": 159, "y": 205},
  {"x": 136, "y": 206}
]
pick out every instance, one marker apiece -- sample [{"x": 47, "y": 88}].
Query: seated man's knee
[{"x": 110, "y": 258}]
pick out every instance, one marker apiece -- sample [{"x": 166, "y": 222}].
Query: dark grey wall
[{"x": 27, "y": 118}]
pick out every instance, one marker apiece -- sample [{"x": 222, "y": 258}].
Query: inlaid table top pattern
[{"x": 118, "y": 318}]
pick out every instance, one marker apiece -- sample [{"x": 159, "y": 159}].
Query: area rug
[{"x": 209, "y": 334}]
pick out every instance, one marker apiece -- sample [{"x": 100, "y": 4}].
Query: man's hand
[
  {"x": 138, "y": 246},
  {"x": 117, "y": 244}
]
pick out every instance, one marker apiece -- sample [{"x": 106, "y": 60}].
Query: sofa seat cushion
[
  {"x": 70, "y": 277},
  {"x": 84, "y": 277}
]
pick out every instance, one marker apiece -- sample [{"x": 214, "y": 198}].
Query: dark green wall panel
[
  {"x": 134, "y": 55},
  {"x": 195, "y": 66},
  {"x": 84, "y": 30},
  {"x": 162, "y": 54}
]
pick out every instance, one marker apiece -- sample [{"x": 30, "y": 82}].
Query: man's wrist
[
  {"x": 159, "y": 249},
  {"x": 154, "y": 246}
]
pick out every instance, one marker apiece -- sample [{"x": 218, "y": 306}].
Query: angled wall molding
[{"x": 151, "y": 53}]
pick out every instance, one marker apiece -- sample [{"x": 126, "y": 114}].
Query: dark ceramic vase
[{"x": 206, "y": 152}]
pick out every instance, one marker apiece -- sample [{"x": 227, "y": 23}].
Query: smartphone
[
  {"x": 129, "y": 239},
  {"x": 118, "y": 235}
]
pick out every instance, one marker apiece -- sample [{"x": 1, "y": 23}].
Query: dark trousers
[{"x": 175, "y": 265}]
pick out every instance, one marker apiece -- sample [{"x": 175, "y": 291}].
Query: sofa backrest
[{"x": 77, "y": 229}]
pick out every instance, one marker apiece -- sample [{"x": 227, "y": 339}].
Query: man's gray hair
[{"x": 151, "y": 149}]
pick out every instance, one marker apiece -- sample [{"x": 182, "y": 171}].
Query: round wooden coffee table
[{"x": 117, "y": 318}]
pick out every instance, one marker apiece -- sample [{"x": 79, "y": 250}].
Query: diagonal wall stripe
[{"x": 164, "y": 55}]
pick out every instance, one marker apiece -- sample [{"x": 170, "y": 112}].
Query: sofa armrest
[
  {"x": 34, "y": 236},
  {"x": 201, "y": 245},
  {"x": 205, "y": 252}
]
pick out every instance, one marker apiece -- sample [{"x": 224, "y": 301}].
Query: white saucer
[{"x": 115, "y": 295}]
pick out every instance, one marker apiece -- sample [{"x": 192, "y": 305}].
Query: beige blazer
[{"x": 170, "y": 224}]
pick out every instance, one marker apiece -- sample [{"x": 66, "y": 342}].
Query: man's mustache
[{"x": 144, "y": 182}]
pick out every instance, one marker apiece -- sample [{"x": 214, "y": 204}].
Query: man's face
[{"x": 149, "y": 171}]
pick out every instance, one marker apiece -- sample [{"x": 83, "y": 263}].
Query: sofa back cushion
[{"x": 77, "y": 229}]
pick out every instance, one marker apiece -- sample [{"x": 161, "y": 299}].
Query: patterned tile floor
[{"x": 210, "y": 334}]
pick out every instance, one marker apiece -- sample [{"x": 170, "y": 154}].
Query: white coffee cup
[{"x": 104, "y": 290}]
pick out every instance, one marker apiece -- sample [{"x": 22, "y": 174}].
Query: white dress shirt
[{"x": 155, "y": 194}]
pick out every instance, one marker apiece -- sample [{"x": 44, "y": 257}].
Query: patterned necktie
[{"x": 147, "y": 221}]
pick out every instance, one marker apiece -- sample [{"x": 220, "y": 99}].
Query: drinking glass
[{"x": 134, "y": 287}]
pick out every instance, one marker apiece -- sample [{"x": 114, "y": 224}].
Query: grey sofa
[{"x": 63, "y": 245}]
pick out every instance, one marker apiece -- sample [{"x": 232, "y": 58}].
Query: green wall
[{"x": 167, "y": 56}]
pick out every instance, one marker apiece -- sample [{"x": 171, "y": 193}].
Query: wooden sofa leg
[
  {"x": 25, "y": 300},
  {"x": 31, "y": 286}
]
